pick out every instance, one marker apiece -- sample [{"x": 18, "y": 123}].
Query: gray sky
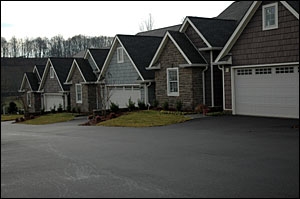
[{"x": 96, "y": 18}]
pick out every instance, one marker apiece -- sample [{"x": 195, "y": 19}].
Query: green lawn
[
  {"x": 50, "y": 118},
  {"x": 10, "y": 117},
  {"x": 144, "y": 119}
]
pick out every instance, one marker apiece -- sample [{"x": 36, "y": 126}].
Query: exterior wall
[
  {"x": 194, "y": 37},
  {"x": 120, "y": 73},
  {"x": 190, "y": 80},
  {"x": 51, "y": 85},
  {"x": 88, "y": 94},
  {"x": 255, "y": 46},
  {"x": 35, "y": 99}
]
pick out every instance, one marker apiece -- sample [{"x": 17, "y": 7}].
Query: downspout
[
  {"x": 223, "y": 85},
  {"x": 147, "y": 94},
  {"x": 212, "y": 79},
  {"x": 203, "y": 83}
]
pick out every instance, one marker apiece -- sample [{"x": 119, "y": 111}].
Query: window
[
  {"x": 244, "y": 72},
  {"x": 51, "y": 72},
  {"x": 120, "y": 56},
  {"x": 261, "y": 71},
  {"x": 29, "y": 99},
  {"x": 285, "y": 70},
  {"x": 172, "y": 82},
  {"x": 270, "y": 16},
  {"x": 78, "y": 90}
]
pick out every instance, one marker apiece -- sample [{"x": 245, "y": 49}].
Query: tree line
[{"x": 56, "y": 46}]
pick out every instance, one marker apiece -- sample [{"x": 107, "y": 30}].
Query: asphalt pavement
[{"x": 226, "y": 156}]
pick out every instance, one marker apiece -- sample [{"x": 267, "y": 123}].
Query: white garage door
[
  {"x": 52, "y": 100},
  {"x": 120, "y": 95},
  {"x": 269, "y": 91}
]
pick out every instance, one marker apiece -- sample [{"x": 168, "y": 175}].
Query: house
[
  {"x": 160, "y": 32},
  {"x": 12, "y": 72},
  {"x": 55, "y": 93},
  {"x": 260, "y": 61},
  {"x": 183, "y": 63},
  {"x": 29, "y": 88},
  {"x": 124, "y": 75},
  {"x": 82, "y": 78}
]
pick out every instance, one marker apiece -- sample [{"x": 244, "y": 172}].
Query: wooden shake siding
[
  {"x": 256, "y": 46},
  {"x": 51, "y": 85}
]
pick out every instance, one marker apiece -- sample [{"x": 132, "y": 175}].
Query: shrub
[
  {"x": 155, "y": 103},
  {"x": 12, "y": 107},
  {"x": 31, "y": 117},
  {"x": 22, "y": 119},
  {"x": 17, "y": 120},
  {"x": 69, "y": 108},
  {"x": 53, "y": 110},
  {"x": 179, "y": 105},
  {"x": 98, "y": 119},
  {"x": 165, "y": 106},
  {"x": 201, "y": 108},
  {"x": 90, "y": 117},
  {"x": 141, "y": 105},
  {"x": 59, "y": 108},
  {"x": 114, "y": 107},
  {"x": 130, "y": 105}
]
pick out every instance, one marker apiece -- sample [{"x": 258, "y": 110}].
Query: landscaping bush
[
  {"x": 98, "y": 119},
  {"x": 130, "y": 105},
  {"x": 114, "y": 107},
  {"x": 179, "y": 106},
  {"x": 53, "y": 110},
  {"x": 60, "y": 109},
  {"x": 141, "y": 105},
  {"x": 12, "y": 108},
  {"x": 165, "y": 106},
  {"x": 155, "y": 103}
]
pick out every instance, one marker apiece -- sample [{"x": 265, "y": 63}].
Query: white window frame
[
  {"x": 168, "y": 82},
  {"x": 270, "y": 27},
  {"x": 28, "y": 99},
  {"x": 51, "y": 72},
  {"x": 76, "y": 93},
  {"x": 120, "y": 55}
]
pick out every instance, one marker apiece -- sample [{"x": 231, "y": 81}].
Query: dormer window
[
  {"x": 120, "y": 56},
  {"x": 270, "y": 16},
  {"x": 51, "y": 73}
]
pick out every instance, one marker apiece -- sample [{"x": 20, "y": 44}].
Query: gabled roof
[
  {"x": 215, "y": 31},
  {"x": 39, "y": 70},
  {"x": 245, "y": 20},
  {"x": 159, "y": 32},
  {"x": 140, "y": 50},
  {"x": 61, "y": 70},
  {"x": 32, "y": 80},
  {"x": 185, "y": 47},
  {"x": 235, "y": 11},
  {"x": 84, "y": 68},
  {"x": 98, "y": 55}
]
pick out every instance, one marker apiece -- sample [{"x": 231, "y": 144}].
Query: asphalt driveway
[{"x": 228, "y": 156}]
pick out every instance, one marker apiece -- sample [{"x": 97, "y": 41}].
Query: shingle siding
[
  {"x": 195, "y": 38},
  {"x": 255, "y": 46},
  {"x": 51, "y": 85},
  {"x": 120, "y": 73}
]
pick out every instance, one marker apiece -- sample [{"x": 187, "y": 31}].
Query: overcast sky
[{"x": 96, "y": 18}]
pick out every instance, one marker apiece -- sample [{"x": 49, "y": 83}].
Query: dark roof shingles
[
  {"x": 187, "y": 47},
  {"x": 86, "y": 70},
  {"x": 99, "y": 56},
  {"x": 141, "y": 49},
  {"x": 62, "y": 67}
]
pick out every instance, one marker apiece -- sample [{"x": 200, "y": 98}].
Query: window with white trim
[
  {"x": 270, "y": 16},
  {"x": 120, "y": 55},
  {"x": 29, "y": 99},
  {"x": 172, "y": 81},
  {"x": 51, "y": 72},
  {"x": 78, "y": 90}
]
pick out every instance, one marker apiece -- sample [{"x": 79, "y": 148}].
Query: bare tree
[
  {"x": 4, "y": 47},
  {"x": 147, "y": 24},
  {"x": 14, "y": 46}
]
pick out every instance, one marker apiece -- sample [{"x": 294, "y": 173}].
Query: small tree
[
  {"x": 141, "y": 105},
  {"x": 12, "y": 108}
]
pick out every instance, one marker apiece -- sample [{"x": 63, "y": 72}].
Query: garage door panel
[
  {"x": 121, "y": 95},
  {"x": 53, "y": 100},
  {"x": 275, "y": 94}
]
